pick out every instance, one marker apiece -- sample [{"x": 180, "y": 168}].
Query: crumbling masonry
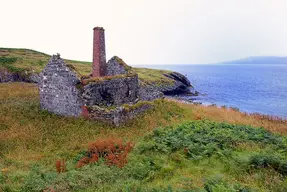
[{"x": 110, "y": 94}]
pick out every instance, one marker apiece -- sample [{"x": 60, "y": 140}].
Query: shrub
[
  {"x": 234, "y": 109},
  {"x": 269, "y": 161},
  {"x": 114, "y": 151},
  {"x": 198, "y": 139},
  {"x": 37, "y": 180},
  {"x": 217, "y": 184},
  {"x": 60, "y": 166}
]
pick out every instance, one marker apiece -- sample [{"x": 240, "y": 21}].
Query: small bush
[
  {"x": 199, "y": 139},
  {"x": 114, "y": 151},
  {"x": 217, "y": 184},
  {"x": 234, "y": 109},
  {"x": 60, "y": 166},
  {"x": 269, "y": 161}
]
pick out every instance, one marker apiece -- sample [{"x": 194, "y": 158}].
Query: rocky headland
[{"x": 24, "y": 65}]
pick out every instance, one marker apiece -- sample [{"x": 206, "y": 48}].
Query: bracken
[{"x": 113, "y": 151}]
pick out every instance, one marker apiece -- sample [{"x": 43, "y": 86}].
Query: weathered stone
[
  {"x": 6, "y": 76},
  {"x": 116, "y": 66},
  {"x": 57, "y": 88},
  {"x": 120, "y": 114},
  {"x": 149, "y": 93},
  {"x": 181, "y": 85},
  {"x": 23, "y": 76},
  {"x": 111, "y": 92}
]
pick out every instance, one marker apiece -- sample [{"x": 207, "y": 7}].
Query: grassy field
[
  {"x": 177, "y": 147},
  {"x": 17, "y": 60}
]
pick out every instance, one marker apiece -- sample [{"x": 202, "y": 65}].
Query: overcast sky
[{"x": 148, "y": 31}]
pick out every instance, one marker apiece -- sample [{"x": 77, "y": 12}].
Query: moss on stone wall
[
  {"x": 101, "y": 79},
  {"x": 132, "y": 107},
  {"x": 122, "y": 63}
]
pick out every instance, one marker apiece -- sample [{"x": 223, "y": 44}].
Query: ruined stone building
[{"x": 110, "y": 93}]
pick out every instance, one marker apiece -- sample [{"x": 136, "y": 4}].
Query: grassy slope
[
  {"x": 29, "y": 137},
  {"x": 35, "y": 61}
]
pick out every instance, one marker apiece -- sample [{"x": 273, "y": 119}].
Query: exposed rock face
[
  {"x": 7, "y": 76},
  {"x": 116, "y": 66},
  {"x": 57, "y": 88},
  {"x": 181, "y": 85},
  {"x": 149, "y": 93},
  {"x": 111, "y": 92}
]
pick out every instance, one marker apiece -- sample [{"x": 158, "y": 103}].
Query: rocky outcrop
[
  {"x": 148, "y": 93},
  {"x": 23, "y": 76},
  {"x": 180, "y": 85}
]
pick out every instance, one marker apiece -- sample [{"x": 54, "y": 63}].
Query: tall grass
[
  {"x": 32, "y": 140},
  {"x": 231, "y": 115}
]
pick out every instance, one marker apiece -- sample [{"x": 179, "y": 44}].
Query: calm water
[{"x": 251, "y": 88}]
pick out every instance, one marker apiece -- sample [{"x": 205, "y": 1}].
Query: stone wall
[
  {"x": 116, "y": 66},
  {"x": 58, "y": 89},
  {"x": 118, "y": 115},
  {"x": 111, "y": 92}
]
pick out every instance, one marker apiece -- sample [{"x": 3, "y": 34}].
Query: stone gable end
[
  {"x": 58, "y": 90},
  {"x": 116, "y": 66}
]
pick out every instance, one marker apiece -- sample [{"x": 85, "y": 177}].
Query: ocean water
[{"x": 251, "y": 88}]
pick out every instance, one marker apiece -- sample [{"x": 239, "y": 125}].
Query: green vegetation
[
  {"x": 178, "y": 147},
  {"x": 121, "y": 62},
  {"x": 99, "y": 80},
  {"x": 17, "y": 60},
  {"x": 138, "y": 105},
  {"x": 153, "y": 76},
  {"x": 173, "y": 151}
]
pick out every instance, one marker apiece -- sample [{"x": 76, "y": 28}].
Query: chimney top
[{"x": 99, "y": 28}]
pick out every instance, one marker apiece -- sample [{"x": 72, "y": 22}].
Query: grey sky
[{"x": 148, "y": 31}]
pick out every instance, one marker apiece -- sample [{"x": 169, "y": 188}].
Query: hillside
[
  {"x": 259, "y": 60},
  {"x": 25, "y": 65},
  {"x": 174, "y": 147}
]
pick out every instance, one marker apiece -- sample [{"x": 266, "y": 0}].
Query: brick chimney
[{"x": 99, "y": 52}]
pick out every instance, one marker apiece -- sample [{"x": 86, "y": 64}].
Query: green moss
[
  {"x": 105, "y": 78},
  {"x": 154, "y": 77},
  {"x": 132, "y": 107},
  {"x": 122, "y": 63}
]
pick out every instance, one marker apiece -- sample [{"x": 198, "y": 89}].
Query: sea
[{"x": 252, "y": 88}]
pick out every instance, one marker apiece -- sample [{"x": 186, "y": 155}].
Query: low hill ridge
[{"x": 258, "y": 60}]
